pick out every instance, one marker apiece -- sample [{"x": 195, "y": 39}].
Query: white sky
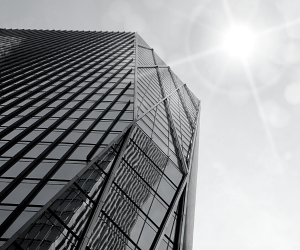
[{"x": 248, "y": 182}]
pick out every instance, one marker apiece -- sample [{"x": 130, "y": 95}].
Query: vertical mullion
[
  {"x": 27, "y": 46},
  {"x": 154, "y": 60},
  {"x": 172, "y": 126},
  {"x": 104, "y": 191},
  {"x": 121, "y": 230},
  {"x": 42, "y": 183},
  {"x": 135, "y": 108},
  {"x": 62, "y": 223},
  {"x": 160, "y": 232},
  {"x": 53, "y": 42},
  {"x": 62, "y": 62},
  {"x": 192, "y": 99},
  {"x": 180, "y": 221},
  {"x": 94, "y": 149},
  {"x": 52, "y": 57},
  {"x": 14, "y": 113},
  {"x": 182, "y": 100},
  {"x": 29, "y": 168}
]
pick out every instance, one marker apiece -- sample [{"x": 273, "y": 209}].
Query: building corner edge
[{"x": 191, "y": 194}]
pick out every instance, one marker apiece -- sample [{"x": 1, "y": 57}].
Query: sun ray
[
  {"x": 197, "y": 56},
  {"x": 262, "y": 115},
  {"x": 278, "y": 27},
  {"x": 218, "y": 82},
  {"x": 228, "y": 11}
]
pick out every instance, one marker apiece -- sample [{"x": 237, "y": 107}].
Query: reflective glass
[
  {"x": 157, "y": 212},
  {"x": 146, "y": 237},
  {"x": 70, "y": 72}
]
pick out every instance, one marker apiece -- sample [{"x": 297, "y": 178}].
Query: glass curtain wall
[{"x": 96, "y": 139}]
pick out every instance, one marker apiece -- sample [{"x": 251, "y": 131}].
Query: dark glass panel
[
  {"x": 102, "y": 125},
  {"x": 53, "y": 135},
  {"x": 41, "y": 170},
  {"x": 165, "y": 190},
  {"x": 84, "y": 124},
  {"x": 48, "y": 191},
  {"x": 81, "y": 153},
  {"x": 147, "y": 237},
  {"x": 20, "y": 192},
  {"x": 66, "y": 124},
  {"x": 173, "y": 173},
  {"x": 93, "y": 137},
  {"x": 163, "y": 245},
  {"x": 17, "y": 168},
  {"x": 69, "y": 169},
  {"x": 14, "y": 133},
  {"x": 59, "y": 151},
  {"x": 14, "y": 150},
  {"x": 72, "y": 137},
  {"x": 19, "y": 222},
  {"x": 157, "y": 212}
]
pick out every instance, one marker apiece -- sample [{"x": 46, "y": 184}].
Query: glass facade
[{"x": 97, "y": 137}]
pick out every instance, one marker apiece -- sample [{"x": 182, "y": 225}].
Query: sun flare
[{"x": 239, "y": 41}]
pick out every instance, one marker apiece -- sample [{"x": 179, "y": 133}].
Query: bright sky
[{"x": 248, "y": 177}]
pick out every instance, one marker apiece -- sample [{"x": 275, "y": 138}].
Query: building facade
[{"x": 98, "y": 143}]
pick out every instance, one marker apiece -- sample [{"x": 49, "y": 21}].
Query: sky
[{"x": 248, "y": 176}]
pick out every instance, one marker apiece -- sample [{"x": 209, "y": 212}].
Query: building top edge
[{"x": 100, "y": 31}]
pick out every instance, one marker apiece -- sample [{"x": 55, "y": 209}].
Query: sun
[{"x": 239, "y": 41}]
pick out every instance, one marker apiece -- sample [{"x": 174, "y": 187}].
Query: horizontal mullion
[
  {"x": 89, "y": 156},
  {"x": 51, "y": 60},
  {"x": 53, "y": 43},
  {"x": 127, "y": 196},
  {"x": 132, "y": 242},
  {"x": 62, "y": 62},
  {"x": 33, "y": 126},
  {"x": 5, "y": 108},
  {"x": 147, "y": 184},
  {"x": 39, "y": 121},
  {"x": 39, "y": 186},
  {"x": 154, "y": 163},
  {"x": 26, "y": 48}
]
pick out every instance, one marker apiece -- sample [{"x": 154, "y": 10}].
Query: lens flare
[{"x": 239, "y": 41}]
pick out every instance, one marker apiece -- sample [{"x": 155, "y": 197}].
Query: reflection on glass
[
  {"x": 166, "y": 191},
  {"x": 173, "y": 173},
  {"x": 61, "y": 225},
  {"x": 157, "y": 212},
  {"x": 147, "y": 237}
]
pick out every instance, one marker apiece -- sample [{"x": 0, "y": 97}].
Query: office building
[{"x": 98, "y": 143}]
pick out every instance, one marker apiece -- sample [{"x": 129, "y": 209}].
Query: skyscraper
[{"x": 98, "y": 143}]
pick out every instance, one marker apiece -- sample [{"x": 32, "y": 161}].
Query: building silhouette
[{"x": 98, "y": 143}]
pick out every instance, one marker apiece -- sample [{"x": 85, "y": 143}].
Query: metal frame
[
  {"x": 45, "y": 207},
  {"x": 180, "y": 219},
  {"x": 63, "y": 52},
  {"x": 182, "y": 101},
  {"x": 180, "y": 191},
  {"x": 196, "y": 133},
  {"x": 135, "y": 76},
  {"x": 10, "y": 219},
  {"x": 172, "y": 126},
  {"x": 162, "y": 228},
  {"x": 100, "y": 201},
  {"x": 86, "y": 54}
]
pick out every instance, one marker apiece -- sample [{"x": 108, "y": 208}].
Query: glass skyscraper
[{"x": 98, "y": 143}]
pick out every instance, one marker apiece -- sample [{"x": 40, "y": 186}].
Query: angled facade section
[{"x": 97, "y": 143}]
